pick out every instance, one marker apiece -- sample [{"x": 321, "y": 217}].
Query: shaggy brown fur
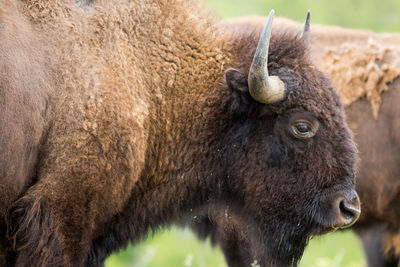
[
  {"x": 120, "y": 119},
  {"x": 378, "y": 140},
  {"x": 362, "y": 72}
]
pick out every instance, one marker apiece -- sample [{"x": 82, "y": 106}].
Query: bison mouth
[
  {"x": 323, "y": 230},
  {"x": 334, "y": 211}
]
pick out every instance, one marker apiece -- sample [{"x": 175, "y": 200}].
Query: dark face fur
[{"x": 290, "y": 164}]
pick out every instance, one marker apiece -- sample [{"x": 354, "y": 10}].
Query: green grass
[
  {"x": 170, "y": 248},
  {"x": 381, "y": 16},
  {"x": 341, "y": 249},
  {"x": 180, "y": 248}
]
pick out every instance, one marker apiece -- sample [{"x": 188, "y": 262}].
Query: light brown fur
[{"x": 393, "y": 244}]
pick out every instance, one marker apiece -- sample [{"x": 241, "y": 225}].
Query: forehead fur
[
  {"x": 288, "y": 58},
  {"x": 286, "y": 47}
]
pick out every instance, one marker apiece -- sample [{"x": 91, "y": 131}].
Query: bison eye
[{"x": 303, "y": 129}]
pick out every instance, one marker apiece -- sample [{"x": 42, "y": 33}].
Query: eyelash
[{"x": 303, "y": 135}]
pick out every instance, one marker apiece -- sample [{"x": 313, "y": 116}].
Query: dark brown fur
[
  {"x": 131, "y": 126},
  {"x": 378, "y": 182}
]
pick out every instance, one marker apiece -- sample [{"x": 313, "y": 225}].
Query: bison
[
  {"x": 360, "y": 63},
  {"x": 122, "y": 116}
]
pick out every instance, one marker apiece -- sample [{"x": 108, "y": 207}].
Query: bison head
[{"x": 290, "y": 156}]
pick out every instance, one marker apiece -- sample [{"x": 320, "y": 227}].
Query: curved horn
[
  {"x": 306, "y": 31},
  {"x": 262, "y": 87}
]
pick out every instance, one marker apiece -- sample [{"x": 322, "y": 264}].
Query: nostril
[
  {"x": 349, "y": 211},
  {"x": 346, "y": 214}
]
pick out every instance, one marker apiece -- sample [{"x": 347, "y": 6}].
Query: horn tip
[
  {"x": 272, "y": 12},
  {"x": 306, "y": 30}
]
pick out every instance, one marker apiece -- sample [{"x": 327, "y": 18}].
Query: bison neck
[
  {"x": 184, "y": 171},
  {"x": 183, "y": 71},
  {"x": 183, "y": 163}
]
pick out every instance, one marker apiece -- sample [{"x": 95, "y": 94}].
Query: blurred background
[
  {"x": 175, "y": 247},
  {"x": 377, "y": 15}
]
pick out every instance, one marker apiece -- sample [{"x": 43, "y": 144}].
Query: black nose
[{"x": 349, "y": 210}]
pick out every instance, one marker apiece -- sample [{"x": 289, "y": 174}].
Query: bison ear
[{"x": 240, "y": 98}]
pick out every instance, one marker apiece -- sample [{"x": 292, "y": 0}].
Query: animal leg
[
  {"x": 227, "y": 234},
  {"x": 374, "y": 243}
]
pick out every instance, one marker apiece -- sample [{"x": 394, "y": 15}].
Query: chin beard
[
  {"x": 258, "y": 242},
  {"x": 280, "y": 244}
]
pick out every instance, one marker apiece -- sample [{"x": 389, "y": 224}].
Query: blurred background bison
[{"x": 131, "y": 115}]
